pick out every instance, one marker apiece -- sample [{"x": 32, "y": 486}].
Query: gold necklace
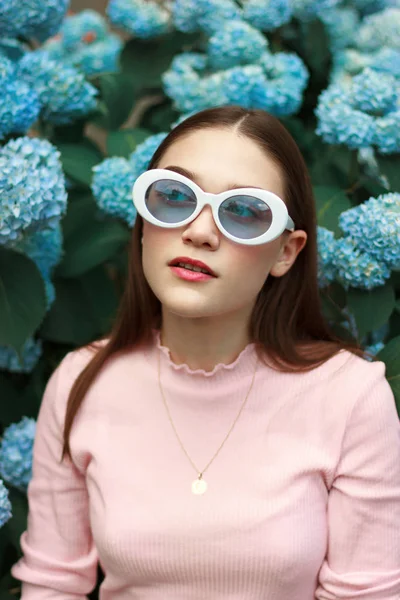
[{"x": 199, "y": 486}]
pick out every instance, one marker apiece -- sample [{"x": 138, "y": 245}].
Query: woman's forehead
[{"x": 220, "y": 158}]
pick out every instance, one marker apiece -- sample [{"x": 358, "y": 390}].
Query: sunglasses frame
[{"x": 280, "y": 221}]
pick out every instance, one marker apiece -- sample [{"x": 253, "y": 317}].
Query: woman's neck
[{"x": 202, "y": 347}]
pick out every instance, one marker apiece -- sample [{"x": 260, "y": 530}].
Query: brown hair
[{"x": 298, "y": 338}]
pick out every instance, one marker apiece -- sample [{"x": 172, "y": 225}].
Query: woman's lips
[{"x": 190, "y": 275}]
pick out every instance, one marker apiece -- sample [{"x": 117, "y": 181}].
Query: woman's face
[{"x": 219, "y": 158}]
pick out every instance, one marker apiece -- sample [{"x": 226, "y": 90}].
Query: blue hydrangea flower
[
  {"x": 114, "y": 177},
  {"x": 19, "y": 107},
  {"x": 339, "y": 123},
  {"x": 16, "y": 453},
  {"x": 275, "y": 83},
  {"x": 352, "y": 62},
  {"x": 306, "y": 10},
  {"x": 280, "y": 91},
  {"x": 358, "y": 269},
  {"x": 239, "y": 82},
  {"x": 352, "y": 114},
  {"x": 374, "y": 225},
  {"x": 32, "y": 188},
  {"x": 37, "y": 19},
  {"x": 267, "y": 15},
  {"x": 7, "y": 70},
  {"x": 31, "y": 353},
  {"x": 45, "y": 248},
  {"x": 204, "y": 15},
  {"x": 185, "y": 90},
  {"x": 235, "y": 43},
  {"x": 340, "y": 23},
  {"x": 12, "y": 49},
  {"x": 190, "y": 92},
  {"x": 367, "y": 7},
  {"x": 5, "y": 505},
  {"x": 386, "y": 60},
  {"x": 373, "y": 93},
  {"x": 141, "y": 18},
  {"x": 387, "y": 133},
  {"x": 62, "y": 90},
  {"x": 379, "y": 30},
  {"x": 112, "y": 184},
  {"x": 85, "y": 43},
  {"x": 86, "y": 27},
  {"x": 143, "y": 153},
  {"x": 19, "y": 104},
  {"x": 326, "y": 249}
]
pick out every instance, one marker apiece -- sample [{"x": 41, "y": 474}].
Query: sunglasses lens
[
  {"x": 170, "y": 201},
  {"x": 245, "y": 217}
]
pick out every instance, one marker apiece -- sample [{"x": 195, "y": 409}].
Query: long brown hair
[{"x": 298, "y": 338}]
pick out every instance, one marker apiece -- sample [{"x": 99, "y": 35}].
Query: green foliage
[
  {"x": 371, "y": 308},
  {"x": 79, "y": 159},
  {"x": 330, "y": 202},
  {"x": 389, "y": 166},
  {"x": 22, "y": 298},
  {"x": 124, "y": 142},
  {"x": 390, "y": 356},
  {"x": 146, "y": 60}
]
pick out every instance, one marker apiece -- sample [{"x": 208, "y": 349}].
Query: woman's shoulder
[
  {"x": 73, "y": 363},
  {"x": 350, "y": 369}
]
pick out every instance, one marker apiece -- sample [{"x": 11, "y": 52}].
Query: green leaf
[
  {"x": 69, "y": 134},
  {"x": 90, "y": 246},
  {"x": 160, "y": 117},
  {"x": 11, "y": 406},
  {"x": 395, "y": 280},
  {"x": 118, "y": 94},
  {"x": 18, "y": 522},
  {"x": 22, "y": 298},
  {"x": 316, "y": 47},
  {"x": 371, "y": 308},
  {"x": 333, "y": 300},
  {"x": 101, "y": 296},
  {"x": 124, "y": 141},
  {"x": 390, "y": 355},
  {"x": 69, "y": 320},
  {"x": 146, "y": 60},
  {"x": 81, "y": 209},
  {"x": 83, "y": 309},
  {"x": 389, "y": 166},
  {"x": 330, "y": 203},
  {"x": 78, "y": 161}
]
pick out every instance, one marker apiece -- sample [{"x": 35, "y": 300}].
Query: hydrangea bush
[{"x": 85, "y": 101}]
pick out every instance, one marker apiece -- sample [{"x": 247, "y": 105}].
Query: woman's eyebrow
[{"x": 195, "y": 178}]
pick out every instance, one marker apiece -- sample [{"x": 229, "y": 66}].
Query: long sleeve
[
  {"x": 59, "y": 559},
  {"x": 363, "y": 558}
]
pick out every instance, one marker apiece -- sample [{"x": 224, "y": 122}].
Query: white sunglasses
[{"x": 247, "y": 215}]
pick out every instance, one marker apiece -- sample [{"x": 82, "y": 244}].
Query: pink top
[{"x": 303, "y": 501}]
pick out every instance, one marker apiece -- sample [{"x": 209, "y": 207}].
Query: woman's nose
[{"x": 202, "y": 229}]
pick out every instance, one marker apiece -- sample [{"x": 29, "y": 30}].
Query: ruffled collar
[{"x": 245, "y": 356}]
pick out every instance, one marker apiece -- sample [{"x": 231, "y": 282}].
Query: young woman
[{"x": 221, "y": 442}]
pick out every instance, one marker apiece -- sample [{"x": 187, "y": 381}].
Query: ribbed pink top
[{"x": 303, "y": 501}]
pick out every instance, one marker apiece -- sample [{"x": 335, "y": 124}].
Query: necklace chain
[{"x": 200, "y": 473}]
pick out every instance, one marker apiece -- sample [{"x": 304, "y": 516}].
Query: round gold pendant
[{"x": 199, "y": 486}]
